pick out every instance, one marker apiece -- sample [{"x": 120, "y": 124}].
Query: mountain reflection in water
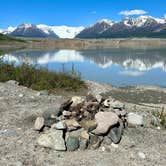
[{"x": 119, "y": 67}]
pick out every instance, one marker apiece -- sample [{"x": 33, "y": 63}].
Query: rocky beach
[{"x": 126, "y": 126}]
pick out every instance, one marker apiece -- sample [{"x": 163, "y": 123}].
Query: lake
[{"x": 118, "y": 67}]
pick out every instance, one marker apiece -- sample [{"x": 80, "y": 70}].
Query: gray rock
[
  {"x": 107, "y": 140},
  {"x": 12, "y": 82},
  {"x": 53, "y": 139},
  {"x": 72, "y": 143},
  {"x": 42, "y": 92},
  {"x": 83, "y": 144},
  {"x": 59, "y": 126},
  {"x": 134, "y": 119},
  {"x": 115, "y": 133},
  {"x": 39, "y": 123}
]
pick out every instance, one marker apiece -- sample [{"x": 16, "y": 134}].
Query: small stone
[
  {"x": 99, "y": 98},
  {"x": 115, "y": 133},
  {"x": 72, "y": 143},
  {"x": 76, "y": 100},
  {"x": 93, "y": 138},
  {"x": 53, "y": 139},
  {"x": 59, "y": 126},
  {"x": 72, "y": 124},
  {"x": 98, "y": 143},
  {"x": 104, "y": 121},
  {"x": 85, "y": 135},
  {"x": 134, "y": 119},
  {"x": 83, "y": 144},
  {"x": 114, "y": 145},
  {"x": 141, "y": 155},
  {"x": 39, "y": 123},
  {"x": 66, "y": 113},
  {"x": 21, "y": 95},
  {"x": 42, "y": 93},
  {"x": 107, "y": 140},
  {"x": 107, "y": 103},
  {"x": 89, "y": 125}
]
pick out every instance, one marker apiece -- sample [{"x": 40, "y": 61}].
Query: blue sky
[{"x": 74, "y": 12}]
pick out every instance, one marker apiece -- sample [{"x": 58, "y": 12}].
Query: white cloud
[
  {"x": 93, "y": 12},
  {"x": 132, "y": 12}
]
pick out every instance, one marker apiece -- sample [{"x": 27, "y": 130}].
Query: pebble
[
  {"x": 141, "y": 155},
  {"x": 114, "y": 145},
  {"x": 59, "y": 126},
  {"x": 21, "y": 95},
  {"x": 39, "y": 123}
]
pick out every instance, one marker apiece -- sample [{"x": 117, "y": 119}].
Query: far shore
[{"x": 81, "y": 44}]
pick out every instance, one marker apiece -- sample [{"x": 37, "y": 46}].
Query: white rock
[
  {"x": 59, "y": 126},
  {"x": 114, "y": 145},
  {"x": 39, "y": 123},
  {"x": 134, "y": 119},
  {"x": 76, "y": 100},
  {"x": 141, "y": 155},
  {"x": 21, "y": 95}
]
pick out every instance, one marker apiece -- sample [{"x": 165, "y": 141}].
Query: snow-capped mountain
[
  {"x": 143, "y": 26},
  {"x": 30, "y": 30},
  {"x": 42, "y": 30},
  {"x": 62, "y": 31},
  {"x": 95, "y": 30}
]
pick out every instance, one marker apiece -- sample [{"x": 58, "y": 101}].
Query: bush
[{"x": 40, "y": 78}]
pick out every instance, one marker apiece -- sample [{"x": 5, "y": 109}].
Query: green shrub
[{"x": 40, "y": 78}]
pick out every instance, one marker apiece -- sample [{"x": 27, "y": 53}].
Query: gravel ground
[{"x": 19, "y": 106}]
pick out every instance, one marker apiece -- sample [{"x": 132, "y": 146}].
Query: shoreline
[{"x": 82, "y": 44}]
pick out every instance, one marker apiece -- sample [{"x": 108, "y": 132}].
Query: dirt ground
[{"x": 19, "y": 106}]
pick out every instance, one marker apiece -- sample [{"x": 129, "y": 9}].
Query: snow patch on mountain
[{"x": 61, "y": 31}]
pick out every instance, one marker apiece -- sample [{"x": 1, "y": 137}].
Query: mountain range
[{"x": 142, "y": 26}]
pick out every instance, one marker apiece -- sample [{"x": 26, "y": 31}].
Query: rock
[
  {"x": 114, "y": 145},
  {"x": 115, "y": 133},
  {"x": 89, "y": 125},
  {"x": 134, "y": 119},
  {"x": 98, "y": 143},
  {"x": 85, "y": 135},
  {"x": 120, "y": 112},
  {"x": 76, "y": 100},
  {"x": 12, "y": 82},
  {"x": 107, "y": 103},
  {"x": 72, "y": 143},
  {"x": 117, "y": 105},
  {"x": 42, "y": 93},
  {"x": 65, "y": 106},
  {"x": 141, "y": 155},
  {"x": 93, "y": 138},
  {"x": 83, "y": 144},
  {"x": 104, "y": 121},
  {"x": 99, "y": 98},
  {"x": 72, "y": 124},
  {"x": 21, "y": 95},
  {"x": 59, "y": 126},
  {"x": 39, "y": 123},
  {"x": 66, "y": 113},
  {"x": 75, "y": 133},
  {"x": 52, "y": 111},
  {"x": 107, "y": 140},
  {"x": 49, "y": 118},
  {"x": 53, "y": 139}
]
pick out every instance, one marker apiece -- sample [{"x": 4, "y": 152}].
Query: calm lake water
[{"x": 118, "y": 67}]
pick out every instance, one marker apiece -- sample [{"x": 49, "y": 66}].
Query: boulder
[
  {"x": 39, "y": 123},
  {"x": 105, "y": 120},
  {"x": 115, "y": 132},
  {"x": 134, "y": 119},
  {"x": 72, "y": 143},
  {"x": 53, "y": 139}
]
